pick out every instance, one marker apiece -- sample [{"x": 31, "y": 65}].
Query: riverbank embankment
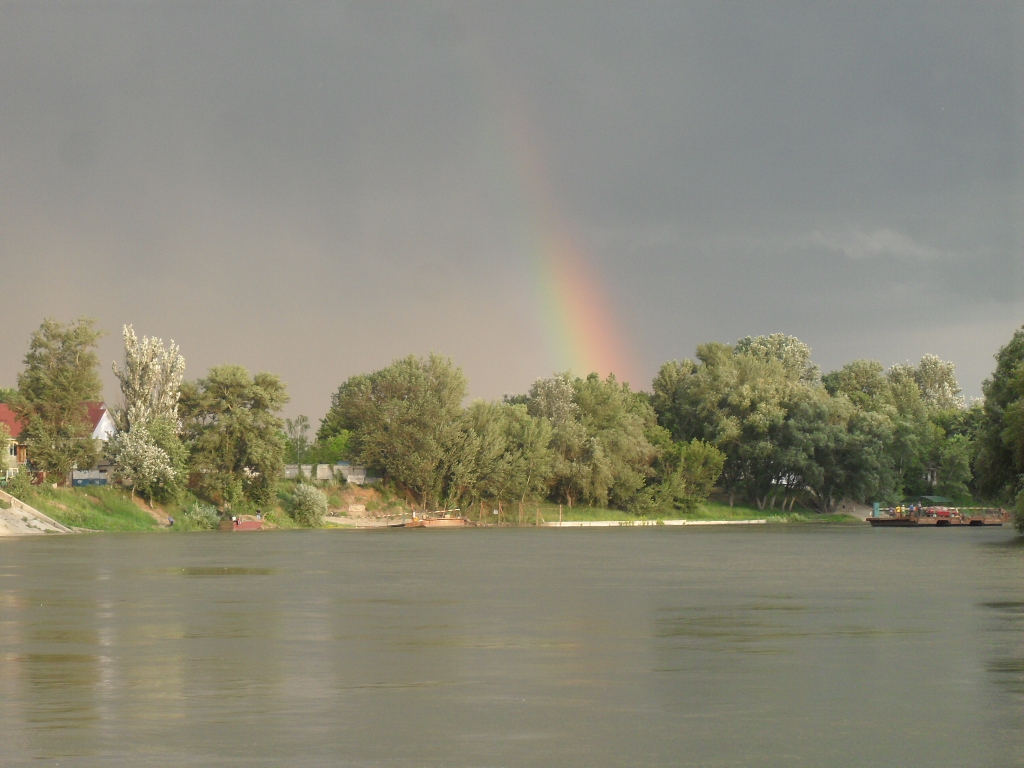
[{"x": 19, "y": 519}]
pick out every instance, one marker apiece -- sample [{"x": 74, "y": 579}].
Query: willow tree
[
  {"x": 406, "y": 420},
  {"x": 234, "y": 436},
  {"x": 600, "y": 450},
  {"x": 738, "y": 402},
  {"x": 507, "y": 456}
]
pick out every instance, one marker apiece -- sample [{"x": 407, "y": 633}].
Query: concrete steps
[{"x": 23, "y": 520}]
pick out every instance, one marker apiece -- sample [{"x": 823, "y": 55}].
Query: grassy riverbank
[
  {"x": 113, "y": 509},
  {"x": 94, "y": 508}
]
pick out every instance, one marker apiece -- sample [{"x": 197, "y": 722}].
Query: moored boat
[{"x": 440, "y": 520}]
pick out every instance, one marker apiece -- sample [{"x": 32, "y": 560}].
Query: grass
[
  {"x": 714, "y": 510},
  {"x": 96, "y": 508}
]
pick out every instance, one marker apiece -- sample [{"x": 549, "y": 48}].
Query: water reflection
[
  {"x": 223, "y": 570},
  {"x": 649, "y": 648},
  {"x": 1008, "y": 670}
]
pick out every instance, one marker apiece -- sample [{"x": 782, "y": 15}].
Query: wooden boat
[
  {"x": 942, "y": 517},
  {"x": 445, "y": 520}
]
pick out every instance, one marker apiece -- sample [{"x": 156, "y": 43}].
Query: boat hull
[{"x": 440, "y": 522}]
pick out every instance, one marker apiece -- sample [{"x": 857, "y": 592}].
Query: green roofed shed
[{"x": 931, "y": 501}]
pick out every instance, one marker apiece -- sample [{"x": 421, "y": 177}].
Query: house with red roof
[{"x": 16, "y": 455}]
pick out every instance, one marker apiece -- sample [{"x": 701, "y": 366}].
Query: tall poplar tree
[{"x": 147, "y": 453}]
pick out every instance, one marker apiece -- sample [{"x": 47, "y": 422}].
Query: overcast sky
[{"x": 318, "y": 189}]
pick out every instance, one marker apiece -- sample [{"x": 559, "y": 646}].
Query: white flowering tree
[
  {"x": 141, "y": 464},
  {"x": 150, "y": 380},
  {"x": 146, "y": 453}
]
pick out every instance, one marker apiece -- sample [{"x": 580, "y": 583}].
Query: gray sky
[{"x": 317, "y": 189}]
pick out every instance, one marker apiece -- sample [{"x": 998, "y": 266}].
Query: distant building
[
  {"x": 309, "y": 471},
  {"x": 102, "y": 422},
  {"x": 350, "y": 473},
  {"x": 15, "y": 454},
  {"x": 354, "y": 473}
]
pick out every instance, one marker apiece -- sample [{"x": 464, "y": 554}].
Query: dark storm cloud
[{"x": 316, "y": 189}]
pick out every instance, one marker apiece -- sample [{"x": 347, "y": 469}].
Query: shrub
[
  {"x": 1018, "y": 515},
  {"x": 309, "y": 505},
  {"x": 201, "y": 516},
  {"x": 20, "y": 485}
]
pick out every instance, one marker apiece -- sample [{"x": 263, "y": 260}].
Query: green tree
[
  {"x": 931, "y": 446},
  {"x": 794, "y": 355},
  {"x": 935, "y": 379},
  {"x": 407, "y": 420},
  {"x": 509, "y": 458},
  {"x": 1001, "y": 456},
  {"x": 739, "y": 403},
  {"x": 8, "y": 395},
  {"x": 841, "y": 451},
  {"x": 685, "y": 473},
  {"x": 617, "y": 421},
  {"x": 864, "y": 382},
  {"x": 60, "y": 377},
  {"x": 601, "y": 454},
  {"x": 7, "y": 462},
  {"x": 331, "y": 450},
  {"x": 298, "y": 438},
  {"x": 554, "y": 401},
  {"x": 233, "y": 434},
  {"x": 937, "y": 451}
]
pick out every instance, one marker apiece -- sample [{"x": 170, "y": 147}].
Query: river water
[{"x": 768, "y": 646}]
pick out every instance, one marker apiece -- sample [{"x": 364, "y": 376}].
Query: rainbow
[
  {"x": 579, "y": 322},
  {"x": 574, "y": 307}
]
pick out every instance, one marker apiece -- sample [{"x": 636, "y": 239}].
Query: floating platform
[
  {"x": 942, "y": 517},
  {"x": 241, "y": 525},
  {"x": 639, "y": 523}
]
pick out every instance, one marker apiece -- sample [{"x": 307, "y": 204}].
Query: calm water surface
[{"x": 778, "y": 646}]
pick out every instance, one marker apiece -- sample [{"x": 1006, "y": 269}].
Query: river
[{"x": 777, "y": 646}]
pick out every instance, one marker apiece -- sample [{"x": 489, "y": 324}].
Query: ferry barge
[{"x": 941, "y": 517}]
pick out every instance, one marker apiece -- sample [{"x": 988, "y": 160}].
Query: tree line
[{"x": 756, "y": 419}]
